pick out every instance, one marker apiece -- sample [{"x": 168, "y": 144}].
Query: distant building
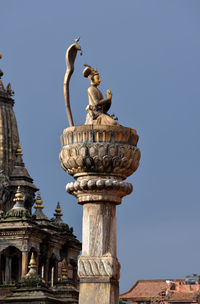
[
  {"x": 38, "y": 255},
  {"x": 175, "y": 291}
]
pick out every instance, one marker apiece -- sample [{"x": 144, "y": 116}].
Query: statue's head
[{"x": 92, "y": 74}]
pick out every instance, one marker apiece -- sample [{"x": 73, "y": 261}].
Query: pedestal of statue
[{"x": 100, "y": 158}]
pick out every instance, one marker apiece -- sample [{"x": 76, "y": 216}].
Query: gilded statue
[
  {"x": 98, "y": 106},
  {"x": 97, "y": 109}
]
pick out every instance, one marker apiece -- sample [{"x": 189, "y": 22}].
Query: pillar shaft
[
  {"x": 1, "y": 278},
  {"x": 99, "y": 229},
  {"x": 37, "y": 262},
  {"x": 24, "y": 263},
  {"x": 8, "y": 270},
  {"x": 98, "y": 267},
  {"x": 55, "y": 272}
]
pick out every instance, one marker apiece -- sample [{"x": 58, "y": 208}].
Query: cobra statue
[{"x": 70, "y": 59}]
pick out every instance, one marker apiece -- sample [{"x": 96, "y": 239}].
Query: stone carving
[
  {"x": 93, "y": 189},
  {"x": 100, "y": 155},
  {"x": 120, "y": 160},
  {"x": 104, "y": 134},
  {"x": 116, "y": 155},
  {"x": 5, "y": 193},
  {"x": 99, "y": 184},
  {"x": 70, "y": 58},
  {"x": 98, "y": 266}
]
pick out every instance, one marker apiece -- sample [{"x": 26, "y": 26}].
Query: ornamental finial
[
  {"x": 18, "y": 196},
  {"x": 64, "y": 269},
  {"x": 58, "y": 212},
  {"x": 39, "y": 202},
  {"x": 32, "y": 264},
  {"x": 19, "y": 151}
]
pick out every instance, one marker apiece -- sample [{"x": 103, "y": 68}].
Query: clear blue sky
[{"x": 148, "y": 54}]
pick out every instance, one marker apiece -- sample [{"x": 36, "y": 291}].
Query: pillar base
[{"x": 95, "y": 293}]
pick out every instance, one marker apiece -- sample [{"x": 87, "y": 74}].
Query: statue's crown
[{"x": 89, "y": 71}]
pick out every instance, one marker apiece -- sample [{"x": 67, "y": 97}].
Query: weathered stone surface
[
  {"x": 98, "y": 267},
  {"x": 99, "y": 158},
  {"x": 100, "y": 133},
  {"x": 116, "y": 156},
  {"x": 99, "y": 189},
  {"x": 96, "y": 293},
  {"x": 99, "y": 230}
]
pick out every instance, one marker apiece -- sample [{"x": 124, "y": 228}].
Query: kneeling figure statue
[{"x": 98, "y": 106}]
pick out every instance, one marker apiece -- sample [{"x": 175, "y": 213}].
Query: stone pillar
[
  {"x": 24, "y": 263},
  {"x": 98, "y": 267},
  {"x": 75, "y": 274},
  {"x": 1, "y": 279},
  {"x": 55, "y": 279},
  {"x": 99, "y": 158},
  {"x": 8, "y": 270},
  {"x": 37, "y": 262},
  {"x": 46, "y": 271}
]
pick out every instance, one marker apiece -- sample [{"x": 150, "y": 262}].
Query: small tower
[
  {"x": 18, "y": 210},
  {"x": 9, "y": 132}
]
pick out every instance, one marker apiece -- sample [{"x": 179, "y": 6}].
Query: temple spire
[
  {"x": 12, "y": 167},
  {"x": 32, "y": 265},
  {"x": 39, "y": 203},
  {"x": 18, "y": 199},
  {"x": 38, "y": 208},
  {"x": 19, "y": 150},
  {"x": 58, "y": 213},
  {"x": 18, "y": 210},
  {"x": 64, "y": 270},
  {"x": 32, "y": 275}
]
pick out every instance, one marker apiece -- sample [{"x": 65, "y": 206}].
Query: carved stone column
[
  {"x": 99, "y": 158},
  {"x": 24, "y": 263},
  {"x": 8, "y": 270},
  {"x": 1, "y": 279}
]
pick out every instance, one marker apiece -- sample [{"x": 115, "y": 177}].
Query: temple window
[{"x": 10, "y": 265}]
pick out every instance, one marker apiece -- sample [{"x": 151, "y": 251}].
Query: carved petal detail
[{"x": 98, "y": 266}]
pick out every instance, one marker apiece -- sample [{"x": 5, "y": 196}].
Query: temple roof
[
  {"x": 175, "y": 290},
  {"x": 144, "y": 289}
]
